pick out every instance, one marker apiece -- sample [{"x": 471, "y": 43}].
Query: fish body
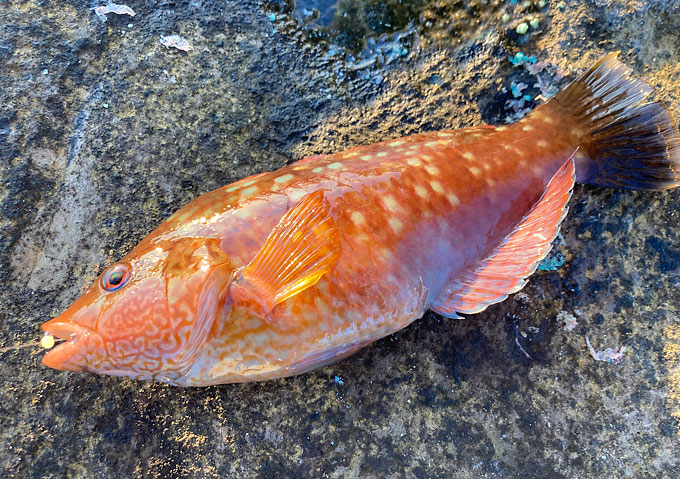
[{"x": 290, "y": 270}]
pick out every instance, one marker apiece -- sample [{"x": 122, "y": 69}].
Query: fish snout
[{"x": 71, "y": 354}]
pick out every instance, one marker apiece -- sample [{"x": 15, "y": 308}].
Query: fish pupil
[{"x": 116, "y": 278}]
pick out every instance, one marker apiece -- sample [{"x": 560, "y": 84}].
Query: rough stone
[{"x": 104, "y": 132}]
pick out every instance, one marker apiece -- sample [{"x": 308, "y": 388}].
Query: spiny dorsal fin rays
[{"x": 301, "y": 248}]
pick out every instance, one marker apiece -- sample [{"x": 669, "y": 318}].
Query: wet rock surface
[{"x": 104, "y": 132}]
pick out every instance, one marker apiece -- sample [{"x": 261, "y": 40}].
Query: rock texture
[{"x": 104, "y": 132}]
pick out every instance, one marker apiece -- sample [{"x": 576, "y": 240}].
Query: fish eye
[{"x": 116, "y": 277}]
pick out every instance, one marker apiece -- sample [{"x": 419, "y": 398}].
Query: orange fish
[{"x": 287, "y": 271}]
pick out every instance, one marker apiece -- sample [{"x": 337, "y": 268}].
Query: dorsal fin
[
  {"x": 301, "y": 248},
  {"x": 506, "y": 269}
]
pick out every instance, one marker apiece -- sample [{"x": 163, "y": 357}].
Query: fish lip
[{"x": 62, "y": 355}]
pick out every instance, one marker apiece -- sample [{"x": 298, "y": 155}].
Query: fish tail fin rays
[
  {"x": 301, "y": 248},
  {"x": 626, "y": 142},
  {"x": 505, "y": 270}
]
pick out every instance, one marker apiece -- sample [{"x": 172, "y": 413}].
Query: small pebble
[
  {"x": 506, "y": 17},
  {"x": 541, "y": 4},
  {"x": 522, "y": 28},
  {"x": 47, "y": 341},
  {"x": 534, "y": 23},
  {"x": 272, "y": 17},
  {"x": 518, "y": 59},
  {"x": 45, "y": 72}
]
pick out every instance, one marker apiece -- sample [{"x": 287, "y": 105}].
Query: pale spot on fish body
[
  {"x": 542, "y": 144},
  {"x": 335, "y": 166},
  {"x": 453, "y": 199},
  {"x": 413, "y": 162},
  {"x": 284, "y": 178},
  {"x": 391, "y": 204},
  {"x": 421, "y": 192},
  {"x": 297, "y": 194},
  {"x": 437, "y": 187},
  {"x": 242, "y": 213},
  {"x": 363, "y": 237},
  {"x": 321, "y": 306},
  {"x": 469, "y": 155},
  {"x": 248, "y": 192},
  {"x": 386, "y": 255},
  {"x": 318, "y": 169},
  {"x": 366, "y": 157},
  {"x": 381, "y": 154},
  {"x": 433, "y": 170},
  {"x": 527, "y": 128},
  {"x": 396, "y": 224},
  {"x": 474, "y": 170},
  {"x": 358, "y": 218}
]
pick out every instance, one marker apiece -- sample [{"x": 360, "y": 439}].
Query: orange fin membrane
[
  {"x": 301, "y": 248},
  {"x": 627, "y": 142},
  {"x": 506, "y": 269}
]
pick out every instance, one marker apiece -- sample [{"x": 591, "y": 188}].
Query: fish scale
[{"x": 290, "y": 270}]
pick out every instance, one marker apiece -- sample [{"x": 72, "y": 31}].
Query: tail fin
[{"x": 627, "y": 143}]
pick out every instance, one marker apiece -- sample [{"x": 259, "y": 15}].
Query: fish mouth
[{"x": 63, "y": 356}]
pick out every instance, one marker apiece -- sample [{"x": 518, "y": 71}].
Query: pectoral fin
[{"x": 301, "y": 248}]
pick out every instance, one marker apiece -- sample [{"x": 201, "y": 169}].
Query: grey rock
[{"x": 120, "y": 132}]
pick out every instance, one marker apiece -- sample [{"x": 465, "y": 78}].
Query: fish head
[{"x": 146, "y": 316}]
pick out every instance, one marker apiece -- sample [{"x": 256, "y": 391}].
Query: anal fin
[{"x": 505, "y": 270}]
